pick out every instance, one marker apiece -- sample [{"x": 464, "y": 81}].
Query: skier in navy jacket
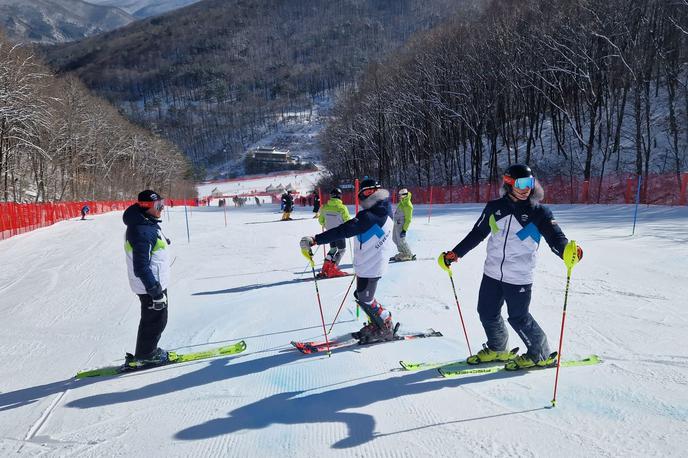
[
  {"x": 515, "y": 223},
  {"x": 372, "y": 227},
  {"x": 148, "y": 266}
]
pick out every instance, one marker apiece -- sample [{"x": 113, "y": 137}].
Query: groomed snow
[{"x": 67, "y": 306}]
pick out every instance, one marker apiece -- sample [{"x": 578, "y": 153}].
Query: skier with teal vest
[
  {"x": 332, "y": 214},
  {"x": 516, "y": 222},
  {"x": 148, "y": 266},
  {"x": 402, "y": 220}
]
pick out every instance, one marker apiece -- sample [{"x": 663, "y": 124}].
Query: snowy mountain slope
[
  {"x": 54, "y": 21},
  {"x": 67, "y": 305},
  {"x": 145, "y": 8}
]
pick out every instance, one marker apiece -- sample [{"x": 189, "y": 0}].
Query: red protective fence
[
  {"x": 19, "y": 218},
  {"x": 656, "y": 189}
]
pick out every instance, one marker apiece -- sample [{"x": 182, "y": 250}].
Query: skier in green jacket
[
  {"x": 333, "y": 214},
  {"x": 402, "y": 221}
]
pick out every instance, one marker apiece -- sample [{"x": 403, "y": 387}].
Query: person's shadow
[
  {"x": 217, "y": 369},
  {"x": 298, "y": 407}
]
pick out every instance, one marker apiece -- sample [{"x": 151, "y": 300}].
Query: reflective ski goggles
[
  {"x": 367, "y": 192},
  {"x": 520, "y": 183},
  {"x": 157, "y": 204}
]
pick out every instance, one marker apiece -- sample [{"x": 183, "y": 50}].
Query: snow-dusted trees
[
  {"x": 58, "y": 142},
  {"x": 581, "y": 87}
]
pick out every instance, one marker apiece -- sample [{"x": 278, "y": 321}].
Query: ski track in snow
[{"x": 65, "y": 291}]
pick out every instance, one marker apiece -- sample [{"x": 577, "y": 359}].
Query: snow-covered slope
[
  {"x": 55, "y": 21},
  {"x": 66, "y": 305},
  {"x": 145, "y": 8}
]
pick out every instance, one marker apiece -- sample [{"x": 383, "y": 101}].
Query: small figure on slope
[
  {"x": 333, "y": 214},
  {"x": 288, "y": 204},
  {"x": 84, "y": 211},
  {"x": 316, "y": 204},
  {"x": 372, "y": 228},
  {"x": 515, "y": 223},
  {"x": 148, "y": 265},
  {"x": 402, "y": 220}
]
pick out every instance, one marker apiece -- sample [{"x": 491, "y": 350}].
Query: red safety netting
[
  {"x": 656, "y": 189},
  {"x": 19, "y": 218}
]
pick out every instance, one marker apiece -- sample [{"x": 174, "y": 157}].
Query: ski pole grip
[
  {"x": 443, "y": 265},
  {"x": 571, "y": 255},
  {"x": 308, "y": 254}
]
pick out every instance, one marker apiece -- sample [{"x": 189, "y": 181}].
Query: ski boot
[
  {"x": 157, "y": 358},
  {"x": 325, "y": 269},
  {"x": 371, "y": 333},
  {"x": 335, "y": 271},
  {"x": 487, "y": 355},
  {"x": 525, "y": 361}
]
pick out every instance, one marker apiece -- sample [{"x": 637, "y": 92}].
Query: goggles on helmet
[
  {"x": 520, "y": 183},
  {"x": 157, "y": 204},
  {"x": 367, "y": 192}
]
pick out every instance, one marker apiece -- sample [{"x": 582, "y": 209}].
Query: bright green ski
[
  {"x": 422, "y": 366},
  {"x": 461, "y": 369},
  {"x": 174, "y": 359}
]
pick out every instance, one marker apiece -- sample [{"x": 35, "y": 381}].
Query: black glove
[
  {"x": 159, "y": 297},
  {"x": 403, "y": 234},
  {"x": 159, "y": 303}
]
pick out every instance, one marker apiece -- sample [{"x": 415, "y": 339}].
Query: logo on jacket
[
  {"x": 374, "y": 231},
  {"x": 524, "y": 218},
  {"x": 529, "y": 231},
  {"x": 522, "y": 290}
]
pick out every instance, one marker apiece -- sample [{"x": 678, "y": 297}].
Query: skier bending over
[
  {"x": 333, "y": 214},
  {"x": 84, "y": 211},
  {"x": 148, "y": 264},
  {"x": 372, "y": 227},
  {"x": 402, "y": 221},
  {"x": 515, "y": 223}
]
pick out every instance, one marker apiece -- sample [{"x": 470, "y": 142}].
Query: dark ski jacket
[
  {"x": 147, "y": 253},
  {"x": 372, "y": 227}
]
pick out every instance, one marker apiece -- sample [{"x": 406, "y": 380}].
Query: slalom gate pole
[
  {"x": 637, "y": 202},
  {"x": 570, "y": 259},
  {"x": 342, "y": 304},
  {"x": 225, "y": 208},
  {"x": 309, "y": 255},
  {"x": 186, "y": 215}
]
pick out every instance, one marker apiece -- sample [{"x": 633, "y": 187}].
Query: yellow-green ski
[{"x": 174, "y": 359}]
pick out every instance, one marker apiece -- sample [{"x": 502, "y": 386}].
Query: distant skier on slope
[
  {"x": 288, "y": 202},
  {"x": 372, "y": 227},
  {"x": 402, "y": 220},
  {"x": 84, "y": 211},
  {"x": 516, "y": 222},
  {"x": 148, "y": 265},
  {"x": 316, "y": 204},
  {"x": 333, "y": 214}
]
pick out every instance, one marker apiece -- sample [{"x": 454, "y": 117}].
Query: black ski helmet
[
  {"x": 336, "y": 193},
  {"x": 518, "y": 171},
  {"x": 365, "y": 186}
]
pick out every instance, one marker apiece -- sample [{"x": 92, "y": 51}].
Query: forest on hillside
[
  {"x": 216, "y": 76},
  {"x": 59, "y": 142},
  {"x": 576, "y": 88}
]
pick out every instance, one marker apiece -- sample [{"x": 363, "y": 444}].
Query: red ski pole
[
  {"x": 309, "y": 255},
  {"x": 342, "y": 304},
  {"x": 447, "y": 269},
  {"x": 570, "y": 259}
]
